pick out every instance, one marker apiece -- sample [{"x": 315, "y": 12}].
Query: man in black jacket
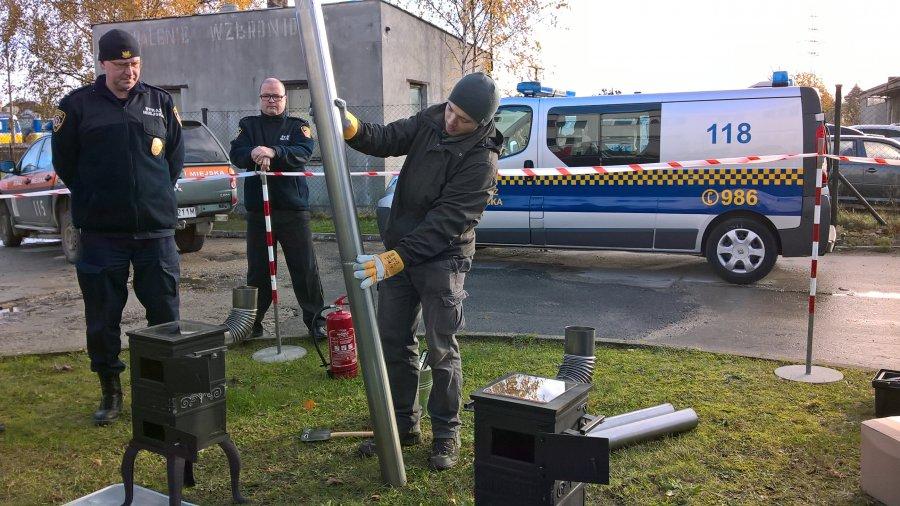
[
  {"x": 276, "y": 141},
  {"x": 117, "y": 145},
  {"x": 448, "y": 177}
]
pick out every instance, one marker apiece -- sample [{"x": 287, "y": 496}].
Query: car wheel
[
  {"x": 71, "y": 239},
  {"x": 741, "y": 250},
  {"x": 7, "y": 233},
  {"x": 187, "y": 239}
]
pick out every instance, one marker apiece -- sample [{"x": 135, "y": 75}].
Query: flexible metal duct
[
  {"x": 578, "y": 360},
  {"x": 243, "y": 314},
  {"x": 647, "y": 429}
]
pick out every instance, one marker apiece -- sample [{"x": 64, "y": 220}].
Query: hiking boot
[
  {"x": 367, "y": 447},
  {"x": 110, "y": 399},
  {"x": 258, "y": 331},
  {"x": 444, "y": 453},
  {"x": 319, "y": 333}
]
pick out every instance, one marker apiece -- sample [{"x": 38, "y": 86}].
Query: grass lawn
[
  {"x": 761, "y": 440},
  {"x": 320, "y": 223},
  {"x": 858, "y": 228}
]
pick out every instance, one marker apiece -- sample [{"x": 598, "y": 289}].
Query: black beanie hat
[
  {"x": 477, "y": 95},
  {"x": 118, "y": 45}
]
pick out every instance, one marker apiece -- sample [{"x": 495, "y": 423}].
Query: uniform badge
[
  {"x": 126, "y": 55},
  {"x": 156, "y": 146},
  {"x": 58, "y": 119},
  {"x": 306, "y": 131},
  {"x": 177, "y": 116}
]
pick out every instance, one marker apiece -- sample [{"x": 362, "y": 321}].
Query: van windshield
[{"x": 514, "y": 123}]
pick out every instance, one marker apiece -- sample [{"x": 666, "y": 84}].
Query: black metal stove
[
  {"x": 178, "y": 401},
  {"x": 530, "y": 446}
]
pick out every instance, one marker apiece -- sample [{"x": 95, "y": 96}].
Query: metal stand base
[
  {"x": 817, "y": 374},
  {"x": 270, "y": 355},
  {"x": 180, "y": 471}
]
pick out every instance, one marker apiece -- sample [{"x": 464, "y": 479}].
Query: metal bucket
[{"x": 425, "y": 381}]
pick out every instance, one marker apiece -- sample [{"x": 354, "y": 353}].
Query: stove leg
[
  {"x": 128, "y": 472},
  {"x": 189, "y": 474},
  {"x": 234, "y": 468},
  {"x": 175, "y": 477}
]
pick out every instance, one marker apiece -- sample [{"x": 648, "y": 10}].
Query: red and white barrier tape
[{"x": 712, "y": 163}]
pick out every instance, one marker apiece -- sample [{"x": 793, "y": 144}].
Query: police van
[{"x": 741, "y": 217}]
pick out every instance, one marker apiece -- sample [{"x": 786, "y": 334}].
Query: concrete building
[
  {"x": 388, "y": 64},
  {"x": 881, "y": 104}
]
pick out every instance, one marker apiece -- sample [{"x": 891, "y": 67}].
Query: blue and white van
[{"x": 741, "y": 217}]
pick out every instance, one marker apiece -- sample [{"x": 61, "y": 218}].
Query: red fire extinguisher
[{"x": 341, "y": 341}]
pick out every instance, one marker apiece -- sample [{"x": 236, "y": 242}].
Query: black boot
[{"x": 110, "y": 400}]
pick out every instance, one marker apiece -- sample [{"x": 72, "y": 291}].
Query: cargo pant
[
  {"x": 435, "y": 289},
  {"x": 102, "y": 270}
]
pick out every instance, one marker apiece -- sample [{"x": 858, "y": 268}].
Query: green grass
[
  {"x": 320, "y": 223},
  {"x": 761, "y": 440},
  {"x": 859, "y": 228}
]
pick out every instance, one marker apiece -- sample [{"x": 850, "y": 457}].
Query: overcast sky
[{"x": 693, "y": 45}]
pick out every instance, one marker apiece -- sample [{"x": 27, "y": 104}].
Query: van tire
[
  {"x": 188, "y": 240},
  {"x": 71, "y": 238},
  {"x": 7, "y": 233},
  {"x": 741, "y": 250}
]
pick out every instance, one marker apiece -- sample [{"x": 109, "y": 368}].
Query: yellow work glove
[
  {"x": 374, "y": 268},
  {"x": 348, "y": 121}
]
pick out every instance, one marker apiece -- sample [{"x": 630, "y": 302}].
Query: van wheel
[
  {"x": 741, "y": 250},
  {"x": 68, "y": 233},
  {"x": 187, "y": 239},
  {"x": 7, "y": 233}
]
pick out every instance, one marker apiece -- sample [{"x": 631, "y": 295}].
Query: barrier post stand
[
  {"x": 323, "y": 92},
  {"x": 809, "y": 373}
]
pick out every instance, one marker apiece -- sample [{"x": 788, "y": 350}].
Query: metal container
[
  {"x": 528, "y": 447},
  {"x": 178, "y": 386}
]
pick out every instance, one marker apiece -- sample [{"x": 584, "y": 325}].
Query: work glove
[
  {"x": 348, "y": 120},
  {"x": 374, "y": 268}
]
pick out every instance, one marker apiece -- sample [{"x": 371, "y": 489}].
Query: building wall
[{"x": 220, "y": 59}]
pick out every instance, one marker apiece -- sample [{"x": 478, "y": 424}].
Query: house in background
[{"x": 880, "y": 105}]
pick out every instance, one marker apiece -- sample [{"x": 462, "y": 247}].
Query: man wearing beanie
[
  {"x": 117, "y": 146},
  {"x": 448, "y": 177}
]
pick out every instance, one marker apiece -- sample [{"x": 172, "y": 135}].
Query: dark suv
[
  {"x": 879, "y": 184},
  {"x": 199, "y": 202}
]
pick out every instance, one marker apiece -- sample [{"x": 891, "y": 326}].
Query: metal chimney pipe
[
  {"x": 579, "y": 341},
  {"x": 317, "y": 58},
  {"x": 578, "y": 359}
]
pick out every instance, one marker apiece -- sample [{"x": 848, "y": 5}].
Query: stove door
[
  {"x": 573, "y": 457},
  {"x": 187, "y": 375}
]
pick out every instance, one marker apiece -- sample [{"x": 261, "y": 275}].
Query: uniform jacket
[
  {"x": 104, "y": 153},
  {"x": 292, "y": 141},
  {"x": 444, "y": 185}
]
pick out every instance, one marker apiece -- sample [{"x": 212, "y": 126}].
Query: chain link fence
[
  {"x": 874, "y": 111},
  {"x": 366, "y": 190}
]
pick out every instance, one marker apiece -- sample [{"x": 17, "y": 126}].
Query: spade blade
[{"x": 310, "y": 435}]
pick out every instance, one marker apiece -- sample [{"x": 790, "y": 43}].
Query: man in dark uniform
[
  {"x": 275, "y": 141},
  {"x": 117, "y": 145},
  {"x": 448, "y": 177}
]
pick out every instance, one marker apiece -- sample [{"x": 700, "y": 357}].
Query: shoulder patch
[
  {"x": 306, "y": 131},
  {"x": 177, "y": 116},
  {"x": 58, "y": 119}
]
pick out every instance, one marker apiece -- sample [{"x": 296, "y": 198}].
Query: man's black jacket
[
  {"x": 444, "y": 185},
  {"x": 103, "y": 152},
  {"x": 291, "y": 139}
]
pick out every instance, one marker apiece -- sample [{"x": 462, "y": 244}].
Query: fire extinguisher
[{"x": 341, "y": 341}]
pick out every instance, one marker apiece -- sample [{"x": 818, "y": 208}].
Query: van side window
[
  {"x": 583, "y": 137},
  {"x": 514, "y": 123}
]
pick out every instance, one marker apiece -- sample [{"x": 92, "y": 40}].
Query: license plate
[{"x": 187, "y": 212}]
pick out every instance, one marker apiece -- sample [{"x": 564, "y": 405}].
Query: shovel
[{"x": 310, "y": 435}]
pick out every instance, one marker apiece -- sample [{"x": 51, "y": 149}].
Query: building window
[
  {"x": 586, "y": 136},
  {"x": 418, "y": 96},
  {"x": 176, "y": 97},
  {"x": 298, "y": 99}
]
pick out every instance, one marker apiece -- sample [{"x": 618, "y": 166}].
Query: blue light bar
[
  {"x": 780, "y": 79},
  {"x": 534, "y": 89}
]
